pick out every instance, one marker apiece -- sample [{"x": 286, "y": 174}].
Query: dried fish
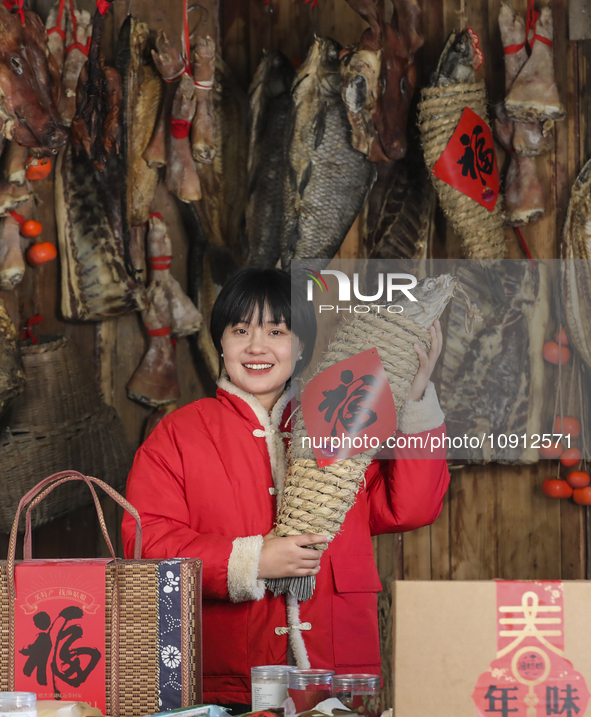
[
  {"x": 270, "y": 105},
  {"x": 576, "y": 266},
  {"x": 326, "y": 180},
  {"x": 142, "y": 91}
]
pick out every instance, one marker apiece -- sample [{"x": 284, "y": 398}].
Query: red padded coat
[{"x": 204, "y": 482}]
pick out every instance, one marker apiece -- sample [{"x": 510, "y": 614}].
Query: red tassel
[{"x": 159, "y": 332}]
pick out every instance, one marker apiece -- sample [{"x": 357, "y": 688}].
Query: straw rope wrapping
[
  {"x": 440, "y": 110},
  {"x": 316, "y": 500}
]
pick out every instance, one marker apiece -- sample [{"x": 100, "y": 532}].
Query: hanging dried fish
[
  {"x": 400, "y": 211},
  {"x": 270, "y": 105},
  {"x": 576, "y": 266},
  {"x": 95, "y": 283},
  {"x": 453, "y": 89},
  {"x": 223, "y": 182},
  {"x": 326, "y": 180},
  {"x": 155, "y": 381},
  {"x": 142, "y": 92},
  {"x": 203, "y": 131},
  {"x": 393, "y": 335}
]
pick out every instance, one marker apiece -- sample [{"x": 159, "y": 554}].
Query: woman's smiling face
[{"x": 260, "y": 357}]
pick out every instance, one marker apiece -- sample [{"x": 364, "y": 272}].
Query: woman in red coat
[{"x": 208, "y": 480}]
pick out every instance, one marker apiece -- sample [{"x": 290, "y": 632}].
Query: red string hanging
[
  {"x": 27, "y": 330},
  {"x": 530, "y": 26},
  {"x": 159, "y": 332},
  {"x": 83, "y": 48},
  {"x": 11, "y": 4},
  {"x": 102, "y": 6},
  {"x": 157, "y": 214},
  {"x": 58, "y": 26},
  {"x": 524, "y": 245},
  {"x": 159, "y": 263}
]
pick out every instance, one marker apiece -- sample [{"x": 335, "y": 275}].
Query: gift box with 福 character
[{"x": 122, "y": 635}]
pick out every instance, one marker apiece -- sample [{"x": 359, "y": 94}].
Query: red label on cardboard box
[
  {"x": 349, "y": 408},
  {"x": 60, "y": 630},
  {"x": 469, "y": 163},
  {"x": 531, "y": 675}
]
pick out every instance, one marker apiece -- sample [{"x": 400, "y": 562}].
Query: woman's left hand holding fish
[{"x": 426, "y": 363}]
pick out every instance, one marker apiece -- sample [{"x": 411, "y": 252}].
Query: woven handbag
[{"x": 135, "y": 669}]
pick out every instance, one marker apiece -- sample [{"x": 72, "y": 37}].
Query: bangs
[{"x": 252, "y": 308}]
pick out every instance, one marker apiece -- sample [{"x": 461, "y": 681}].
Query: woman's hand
[
  {"x": 288, "y": 558},
  {"x": 426, "y": 363}
]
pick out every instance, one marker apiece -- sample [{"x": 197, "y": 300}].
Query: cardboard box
[{"x": 516, "y": 640}]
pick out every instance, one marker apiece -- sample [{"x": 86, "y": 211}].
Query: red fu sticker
[
  {"x": 349, "y": 408},
  {"x": 469, "y": 163}
]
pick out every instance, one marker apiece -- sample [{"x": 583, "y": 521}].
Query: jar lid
[
  {"x": 298, "y": 679},
  {"x": 270, "y": 670},
  {"x": 356, "y": 680}
]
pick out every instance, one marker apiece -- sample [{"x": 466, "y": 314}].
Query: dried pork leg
[
  {"x": 73, "y": 64},
  {"x": 533, "y": 138},
  {"x": 534, "y": 94},
  {"x": 155, "y": 381},
  {"x": 12, "y": 373},
  {"x": 203, "y": 144},
  {"x": 185, "y": 319},
  {"x": 142, "y": 90},
  {"x": 95, "y": 283},
  {"x": 12, "y": 260},
  {"x": 530, "y": 138},
  {"x": 524, "y": 198},
  {"x": 157, "y": 416},
  {"x": 576, "y": 266},
  {"x": 56, "y": 31},
  {"x": 171, "y": 66},
  {"x": 13, "y": 196},
  {"x": 15, "y": 163},
  {"x": 181, "y": 176}
]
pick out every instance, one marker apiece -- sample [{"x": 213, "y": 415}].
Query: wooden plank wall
[{"x": 495, "y": 521}]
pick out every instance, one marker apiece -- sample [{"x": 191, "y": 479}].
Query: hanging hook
[
  {"x": 202, "y": 20},
  {"x": 129, "y": 7}
]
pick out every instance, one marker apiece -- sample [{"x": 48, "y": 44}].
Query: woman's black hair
[{"x": 250, "y": 290}]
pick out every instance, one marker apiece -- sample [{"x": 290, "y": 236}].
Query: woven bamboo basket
[{"x": 59, "y": 422}]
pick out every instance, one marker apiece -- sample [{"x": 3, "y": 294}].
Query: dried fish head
[
  {"x": 432, "y": 296},
  {"x": 320, "y": 71},
  {"x": 456, "y": 63}
]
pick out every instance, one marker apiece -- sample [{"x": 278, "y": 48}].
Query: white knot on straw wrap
[
  {"x": 440, "y": 111},
  {"x": 285, "y": 630}
]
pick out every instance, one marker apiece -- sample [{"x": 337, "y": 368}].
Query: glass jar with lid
[
  {"x": 309, "y": 687},
  {"x": 269, "y": 686},
  {"x": 355, "y": 691},
  {"x": 18, "y": 704}
]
